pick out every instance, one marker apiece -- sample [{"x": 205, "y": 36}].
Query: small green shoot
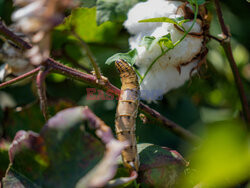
[
  {"x": 166, "y": 41},
  {"x": 148, "y": 42}
]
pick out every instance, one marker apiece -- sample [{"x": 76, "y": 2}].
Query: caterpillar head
[{"x": 122, "y": 66}]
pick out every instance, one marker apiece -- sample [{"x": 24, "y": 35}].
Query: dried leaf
[
  {"x": 36, "y": 19},
  {"x": 4, "y": 146},
  {"x": 14, "y": 179},
  {"x": 106, "y": 169},
  {"x": 65, "y": 152},
  {"x": 23, "y": 139}
]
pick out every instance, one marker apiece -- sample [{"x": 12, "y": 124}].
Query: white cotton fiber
[
  {"x": 149, "y": 9},
  {"x": 169, "y": 71}
]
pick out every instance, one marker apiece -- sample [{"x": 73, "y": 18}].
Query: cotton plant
[{"x": 168, "y": 39}]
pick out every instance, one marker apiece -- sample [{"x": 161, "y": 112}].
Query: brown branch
[
  {"x": 19, "y": 78},
  {"x": 224, "y": 28},
  {"x": 107, "y": 86},
  {"x": 168, "y": 124},
  {"x": 215, "y": 38},
  {"x": 226, "y": 44},
  {"x": 90, "y": 56},
  {"x": 41, "y": 90},
  {"x": 4, "y": 31}
]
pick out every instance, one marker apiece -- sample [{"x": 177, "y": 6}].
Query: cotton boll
[
  {"x": 175, "y": 67},
  {"x": 135, "y": 41},
  {"x": 181, "y": 54},
  {"x": 160, "y": 81}
]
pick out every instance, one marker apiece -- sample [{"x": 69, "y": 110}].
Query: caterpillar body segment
[{"x": 126, "y": 114}]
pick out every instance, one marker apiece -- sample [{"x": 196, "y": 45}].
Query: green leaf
[
  {"x": 88, "y": 3},
  {"x": 180, "y": 21},
  {"x": 83, "y": 22},
  {"x": 147, "y": 41},
  {"x": 166, "y": 41},
  {"x": 199, "y": 2},
  {"x": 129, "y": 57},
  {"x": 161, "y": 165},
  {"x": 160, "y": 19},
  {"x": 22, "y": 119},
  {"x": 113, "y": 10},
  {"x": 54, "y": 159},
  {"x": 177, "y": 21}
]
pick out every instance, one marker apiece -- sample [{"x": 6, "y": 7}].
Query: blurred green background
[{"x": 202, "y": 105}]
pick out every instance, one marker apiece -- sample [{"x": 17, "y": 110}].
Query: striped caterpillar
[{"x": 126, "y": 113}]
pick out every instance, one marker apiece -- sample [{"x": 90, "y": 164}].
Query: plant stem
[
  {"x": 90, "y": 56},
  {"x": 168, "y": 124},
  {"x": 175, "y": 44},
  {"x": 138, "y": 73},
  {"x": 215, "y": 38},
  {"x": 106, "y": 86},
  {"x": 4, "y": 31},
  {"x": 41, "y": 90},
  {"x": 150, "y": 113},
  {"x": 19, "y": 78},
  {"x": 226, "y": 44}
]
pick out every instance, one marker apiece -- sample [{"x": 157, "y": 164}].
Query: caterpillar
[{"x": 126, "y": 113}]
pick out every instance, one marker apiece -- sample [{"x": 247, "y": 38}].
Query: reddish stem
[
  {"x": 19, "y": 78},
  {"x": 41, "y": 90},
  {"x": 107, "y": 86},
  {"x": 226, "y": 44},
  {"x": 11, "y": 36}
]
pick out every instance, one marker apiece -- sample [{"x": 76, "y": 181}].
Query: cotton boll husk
[{"x": 175, "y": 67}]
